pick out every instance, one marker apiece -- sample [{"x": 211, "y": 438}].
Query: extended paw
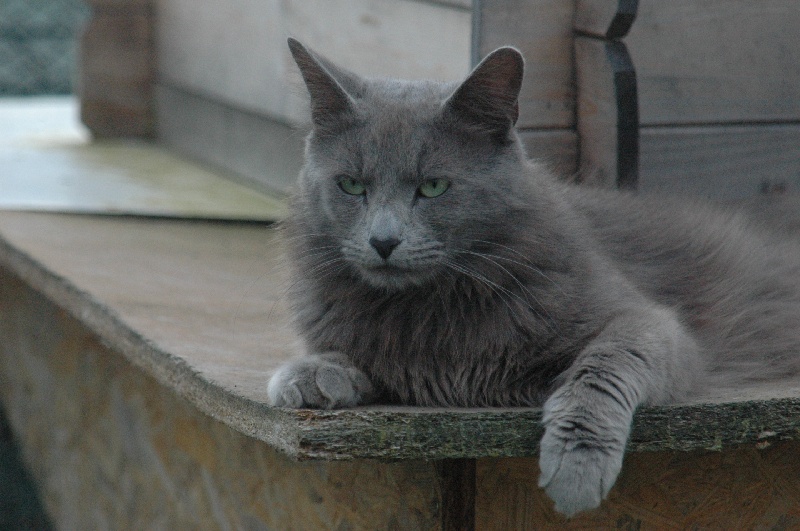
[
  {"x": 577, "y": 474},
  {"x": 326, "y": 381},
  {"x": 581, "y": 451}
]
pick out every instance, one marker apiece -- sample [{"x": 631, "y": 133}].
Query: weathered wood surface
[
  {"x": 607, "y": 112},
  {"x": 609, "y": 19},
  {"x": 542, "y": 30},
  {"x": 457, "y": 489},
  {"x": 264, "y": 153},
  {"x": 117, "y": 70},
  {"x": 715, "y": 61},
  {"x": 395, "y": 433},
  {"x": 729, "y": 162},
  {"x": 706, "y": 64},
  {"x": 751, "y": 487},
  {"x": 195, "y": 306},
  {"x": 236, "y": 51},
  {"x": 112, "y": 448}
]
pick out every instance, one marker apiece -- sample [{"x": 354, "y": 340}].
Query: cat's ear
[
  {"x": 488, "y": 98},
  {"x": 331, "y": 88}
]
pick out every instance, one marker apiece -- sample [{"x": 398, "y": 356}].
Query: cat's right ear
[
  {"x": 327, "y": 85},
  {"x": 488, "y": 98}
]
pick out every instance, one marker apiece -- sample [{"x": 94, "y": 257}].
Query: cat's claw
[{"x": 326, "y": 381}]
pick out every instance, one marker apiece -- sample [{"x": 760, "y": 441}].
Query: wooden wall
[
  {"x": 745, "y": 488},
  {"x": 542, "y": 30},
  {"x": 116, "y": 71},
  {"x": 712, "y": 86},
  {"x": 229, "y": 93},
  {"x": 718, "y": 92}
]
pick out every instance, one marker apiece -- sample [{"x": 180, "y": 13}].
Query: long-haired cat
[{"x": 435, "y": 265}]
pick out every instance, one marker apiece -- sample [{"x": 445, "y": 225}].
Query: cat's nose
[{"x": 384, "y": 246}]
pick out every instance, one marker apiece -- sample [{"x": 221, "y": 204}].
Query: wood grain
[
  {"x": 457, "y": 483},
  {"x": 542, "y": 30},
  {"x": 235, "y": 52},
  {"x": 607, "y": 112},
  {"x": 720, "y": 162},
  {"x": 717, "y": 61},
  {"x": 752, "y": 487},
  {"x": 609, "y": 19},
  {"x": 146, "y": 287}
]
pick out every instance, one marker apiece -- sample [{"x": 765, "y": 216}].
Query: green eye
[
  {"x": 351, "y": 186},
  {"x": 434, "y": 188}
]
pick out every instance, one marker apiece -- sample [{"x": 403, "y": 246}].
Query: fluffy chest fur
[{"x": 460, "y": 343}]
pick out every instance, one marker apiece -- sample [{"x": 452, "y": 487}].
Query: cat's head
[{"x": 402, "y": 178}]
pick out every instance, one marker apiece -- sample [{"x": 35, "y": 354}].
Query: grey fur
[{"x": 512, "y": 288}]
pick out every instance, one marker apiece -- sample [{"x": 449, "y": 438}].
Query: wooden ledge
[{"x": 200, "y": 307}]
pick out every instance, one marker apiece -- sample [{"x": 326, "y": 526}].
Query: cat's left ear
[
  {"x": 489, "y": 97},
  {"x": 332, "y": 89}
]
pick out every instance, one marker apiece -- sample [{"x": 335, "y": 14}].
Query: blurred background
[
  {"x": 38, "y": 46},
  {"x": 38, "y": 42}
]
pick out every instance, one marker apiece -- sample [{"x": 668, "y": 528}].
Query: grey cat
[{"x": 435, "y": 265}]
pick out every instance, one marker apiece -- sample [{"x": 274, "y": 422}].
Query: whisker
[
  {"x": 318, "y": 252},
  {"x": 524, "y": 288},
  {"x": 526, "y": 263},
  {"x": 498, "y": 290}
]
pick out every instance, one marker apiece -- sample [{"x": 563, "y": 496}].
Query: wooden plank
[
  {"x": 378, "y": 38},
  {"x": 609, "y": 19},
  {"x": 235, "y": 51},
  {"x": 265, "y": 153},
  {"x": 146, "y": 288},
  {"x": 457, "y": 485},
  {"x": 116, "y": 73},
  {"x": 717, "y": 61},
  {"x": 752, "y": 487},
  {"x": 542, "y": 30},
  {"x": 607, "y": 112},
  {"x": 555, "y": 148},
  {"x": 139, "y": 457},
  {"x": 720, "y": 162}
]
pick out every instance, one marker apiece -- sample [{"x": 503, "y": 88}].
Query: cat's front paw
[
  {"x": 580, "y": 457},
  {"x": 325, "y": 381}
]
